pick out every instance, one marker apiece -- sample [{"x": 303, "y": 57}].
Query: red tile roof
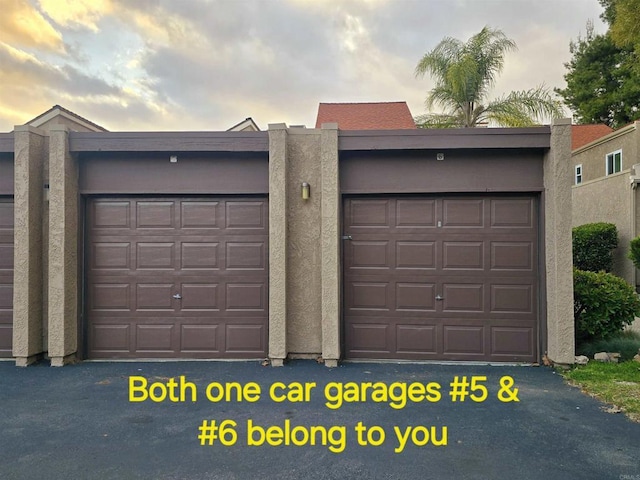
[
  {"x": 366, "y": 116},
  {"x": 583, "y": 134}
]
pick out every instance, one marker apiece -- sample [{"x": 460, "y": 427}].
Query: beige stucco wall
[
  {"x": 29, "y": 157},
  {"x": 609, "y": 199},
  {"x": 592, "y": 156},
  {"x": 278, "y": 242},
  {"x": 558, "y": 174},
  {"x": 304, "y": 318},
  {"x": 331, "y": 243},
  {"x": 63, "y": 250},
  {"x": 304, "y": 270}
]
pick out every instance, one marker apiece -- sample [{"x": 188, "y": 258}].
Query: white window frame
[
  {"x": 610, "y": 157},
  {"x": 578, "y": 175}
]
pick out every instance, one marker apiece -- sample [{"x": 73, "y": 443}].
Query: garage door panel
[
  {"x": 200, "y": 296},
  {"x": 6, "y": 297},
  {"x": 246, "y": 256},
  {"x": 370, "y": 338},
  {"x": 200, "y": 338},
  {"x": 513, "y": 342},
  {"x": 368, "y": 296},
  {"x": 512, "y": 213},
  {"x": 6, "y": 256},
  {"x": 512, "y": 256},
  {"x": 416, "y": 254},
  {"x": 245, "y": 338},
  {"x": 155, "y": 214},
  {"x": 369, "y": 254},
  {"x": 6, "y": 339},
  {"x": 463, "y": 297},
  {"x": 200, "y": 255},
  {"x": 462, "y": 213},
  {"x": 113, "y": 338},
  {"x": 416, "y": 339},
  {"x": 463, "y": 255},
  {"x": 245, "y": 297},
  {"x": 6, "y": 276},
  {"x": 466, "y": 340},
  {"x": 154, "y": 296},
  {"x": 419, "y": 213},
  {"x": 200, "y": 214},
  {"x": 110, "y": 296},
  {"x": 110, "y": 214},
  {"x": 111, "y": 255},
  {"x": 463, "y": 289},
  {"x": 155, "y": 256},
  {"x": 373, "y": 214},
  {"x": 512, "y": 298},
  {"x": 415, "y": 297},
  {"x": 246, "y": 215},
  {"x": 155, "y": 338}
]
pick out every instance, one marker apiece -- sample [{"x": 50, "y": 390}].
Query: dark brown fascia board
[
  {"x": 431, "y": 139},
  {"x": 169, "y": 142},
  {"x": 6, "y": 143}
]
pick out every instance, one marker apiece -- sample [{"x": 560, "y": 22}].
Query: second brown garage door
[
  {"x": 177, "y": 277},
  {"x": 441, "y": 278}
]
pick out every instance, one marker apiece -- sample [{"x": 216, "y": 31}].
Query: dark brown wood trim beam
[
  {"x": 445, "y": 139},
  {"x": 169, "y": 142},
  {"x": 6, "y": 142}
]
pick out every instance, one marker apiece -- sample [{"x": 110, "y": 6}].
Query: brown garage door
[
  {"x": 177, "y": 277},
  {"x": 441, "y": 278},
  {"x": 6, "y": 276}
]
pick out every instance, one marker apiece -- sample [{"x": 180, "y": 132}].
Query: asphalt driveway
[{"x": 78, "y": 422}]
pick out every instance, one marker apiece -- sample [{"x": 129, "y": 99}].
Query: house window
[
  {"x": 578, "y": 174},
  {"x": 614, "y": 162}
]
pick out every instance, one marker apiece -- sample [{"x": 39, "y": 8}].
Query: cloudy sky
[{"x": 209, "y": 64}]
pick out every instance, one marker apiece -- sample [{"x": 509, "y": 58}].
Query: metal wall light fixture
[{"x": 306, "y": 191}]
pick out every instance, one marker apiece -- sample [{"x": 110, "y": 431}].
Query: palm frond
[
  {"x": 525, "y": 107},
  {"x": 438, "y": 120},
  {"x": 464, "y": 73}
]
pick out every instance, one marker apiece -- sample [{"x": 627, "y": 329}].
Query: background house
[{"x": 605, "y": 178}]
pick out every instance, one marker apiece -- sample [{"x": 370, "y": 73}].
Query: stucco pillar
[
  {"x": 558, "y": 249},
  {"x": 330, "y": 254},
  {"x": 63, "y": 249},
  {"x": 29, "y": 157},
  {"x": 277, "y": 244}
]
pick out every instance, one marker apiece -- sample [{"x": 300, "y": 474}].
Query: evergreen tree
[{"x": 603, "y": 78}]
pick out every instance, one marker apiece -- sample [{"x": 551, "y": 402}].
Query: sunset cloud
[
  {"x": 22, "y": 25},
  {"x": 207, "y": 64}
]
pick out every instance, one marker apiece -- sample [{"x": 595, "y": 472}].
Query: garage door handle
[
  {"x": 438, "y": 297},
  {"x": 177, "y": 296},
  {"x": 347, "y": 237}
]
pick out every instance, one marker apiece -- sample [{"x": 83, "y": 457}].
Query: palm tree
[{"x": 464, "y": 74}]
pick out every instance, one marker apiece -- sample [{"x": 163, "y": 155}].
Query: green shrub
[
  {"x": 626, "y": 343},
  {"x": 634, "y": 251},
  {"x": 602, "y": 304},
  {"x": 593, "y": 246}
]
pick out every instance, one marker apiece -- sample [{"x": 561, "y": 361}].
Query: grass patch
[
  {"x": 617, "y": 384},
  {"x": 626, "y": 343}
]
